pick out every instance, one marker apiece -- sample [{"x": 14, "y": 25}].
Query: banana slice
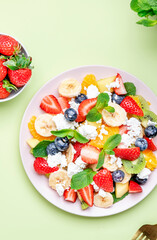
[
  {"x": 59, "y": 177},
  {"x": 127, "y": 176},
  {"x": 69, "y": 88},
  {"x": 114, "y": 119},
  {"x": 103, "y": 202},
  {"x": 110, "y": 166},
  {"x": 93, "y": 167},
  {"x": 70, "y": 153},
  {"x": 142, "y": 133},
  {"x": 44, "y": 124}
]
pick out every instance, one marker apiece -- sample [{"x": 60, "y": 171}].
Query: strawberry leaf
[
  {"x": 112, "y": 142},
  {"x": 100, "y": 159},
  {"x": 40, "y": 149},
  {"x": 8, "y": 86}
]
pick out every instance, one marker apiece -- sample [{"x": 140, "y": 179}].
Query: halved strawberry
[
  {"x": 134, "y": 187},
  {"x": 103, "y": 179},
  {"x": 70, "y": 195},
  {"x": 80, "y": 118},
  {"x": 152, "y": 144},
  {"x": 90, "y": 154},
  {"x": 127, "y": 153},
  {"x": 41, "y": 166},
  {"x": 77, "y": 146},
  {"x": 121, "y": 90},
  {"x": 123, "y": 129},
  {"x": 131, "y": 106},
  {"x": 87, "y": 194},
  {"x": 64, "y": 103},
  {"x": 86, "y": 105},
  {"x": 50, "y": 104}
]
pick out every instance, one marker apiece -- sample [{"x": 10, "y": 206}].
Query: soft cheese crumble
[
  {"x": 92, "y": 91},
  {"x": 62, "y": 123},
  {"x": 57, "y": 159}
]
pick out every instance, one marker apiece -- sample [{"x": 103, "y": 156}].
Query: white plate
[{"x": 41, "y": 182}]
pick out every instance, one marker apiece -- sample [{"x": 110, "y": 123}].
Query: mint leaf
[
  {"x": 40, "y": 149},
  {"x": 79, "y": 137},
  {"x": 138, "y": 5},
  {"x": 130, "y": 88},
  {"x": 93, "y": 115},
  {"x": 147, "y": 22},
  {"x": 63, "y": 133},
  {"x": 100, "y": 159},
  {"x": 118, "y": 199},
  {"x": 110, "y": 109},
  {"x": 82, "y": 179},
  {"x": 112, "y": 142},
  {"x": 102, "y": 101},
  {"x": 109, "y": 152}
]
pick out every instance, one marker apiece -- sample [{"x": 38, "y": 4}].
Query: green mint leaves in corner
[
  {"x": 82, "y": 179},
  {"x": 40, "y": 149},
  {"x": 108, "y": 147},
  {"x": 130, "y": 88},
  {"x": 69, "y": 133},
  {"x": 102, "y": 103},
  {"x": 145, "y": 9}
]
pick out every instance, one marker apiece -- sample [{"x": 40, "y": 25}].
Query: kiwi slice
[
  {"x": 144, "y": 104},
  {"x": 84, "y": 205},
  {"x": 136, "y": 166},
  {"x": 148, "y": 115}
]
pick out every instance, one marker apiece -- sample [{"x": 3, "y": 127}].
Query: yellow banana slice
[
  {"x": 127, "y": 176},
  {"x": 59, "y": 177},
  {"x": 69, "y": 88},
  {"x": 70, "y": 153},
  {"x": 110, "y": 166},
  {"x": 103, "y": 202},
  {"x": 44, "y": 124},
  {"x": 115, "y": 119}
]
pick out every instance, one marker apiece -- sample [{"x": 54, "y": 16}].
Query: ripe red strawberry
[
  {"x": 152, "y": 145},
  {"x": 80, "y": 118},
  {"x": 87, "y": 194},
  {"x": 3, "y": 70},
  {"x": 50, "y": 104},
  {"x": 63, "y": 101},
  {"x": 19, "y": 77},
  {"x": 70, "y": 195},
  {"x": 6, "y": 88},
  {"x": 77, "y": 146},
  {"x": 134, "y": 187},
  {"x": 131, "y": 106},
  {"x": 103, "y": 179},
  {"x": 123, "y": 129},
  {"x": 3, "y": 92},
  {"x": 127, "y": 153},
  {"x": 41, "y": 166},
  {"x": 86, "y": 105},
  {"x": 8, "y": 45},
  {"x": 90, "y": 154},
  {"x": 121, "y": 90}
]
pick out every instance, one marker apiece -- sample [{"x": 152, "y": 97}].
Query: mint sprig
[
  {"x": 108, "y": 147},
  {"x": 40, "y": 149},
  {"x": 130, "y": 88},
  {"x": 102, "y": 103}
]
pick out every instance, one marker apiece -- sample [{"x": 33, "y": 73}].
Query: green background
[{"x": 59, "y": 35}]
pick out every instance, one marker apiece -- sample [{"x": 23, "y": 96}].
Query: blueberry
[
  {"x": 118, "y": 176},
  {"x": 150, "y": 131},
  {"x": 51, "y": 149},
  {"x": 117, "y": 98},
  {"x": 62, "y": 144},
  {"x": 81, "y": 97},
  {"x": 70, "y": 114},
  {"x": 141, "y": 143},
  {"x": 140, "y": 180}
]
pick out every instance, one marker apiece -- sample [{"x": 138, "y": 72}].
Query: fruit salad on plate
[{"x": 95, "y": 141}]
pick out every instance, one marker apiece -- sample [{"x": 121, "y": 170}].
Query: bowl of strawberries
[{"x": 15, "y": 67}]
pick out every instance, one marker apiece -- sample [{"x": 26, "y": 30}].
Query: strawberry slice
[
  {"x": 123, "y": 129},
  {"x": 103, "y": 179},
  {"x": 87, "y": 194},
  {"x": 86, "y": 105},
  {"x": 134, "y": 187},
  {"x": 90, "y": 154},
  {"x": 131, "y": 106},
  {"x": 63, "y": 101},
  {"x": 121, "y": 90},
  {"x": 152, "y": 145},
  {"x": 50, "y": 104},
  {"x": 70, "y": 195},
  {"x": 127, "y": 153},
  {"x": 77, "y": 146},
  {"x": 80, "y": 118},
  {"x": 41, "y": 166}
]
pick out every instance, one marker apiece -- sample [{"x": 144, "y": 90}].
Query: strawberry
[
  {"x": 90, "y": 154},
  {"x": 134, "y": 187},
  {"x": 3, "y": 70},
  {"x": 80, "y": 118},
  {"x": 19, "y": 77},
  {"x": 8, "y": 45},
  {"x": 87, "y": 194},
  {"x": 127, "y": 153},
  {"x": 41, "y": 166},
  {"x": 63, "y": 101},
  {"x": 77, "y": 146},
  {"x": 70, "y": 195},
  {"x": 6, "y": 88},
  {"x": 121, "y": 90},
  {"x": 50, "y": 104},
  {"x": 152, "y": 145},
  {"x": 103, "y": 179},
  {"x": 131, "y": 106},
  {"x": 123, "y": 129},
  {"x": 86, "y": 105}
]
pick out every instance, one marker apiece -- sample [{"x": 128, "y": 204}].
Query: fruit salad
[
  {"x": 95, "y": 141},
  {"x": 15, "y": 68}
]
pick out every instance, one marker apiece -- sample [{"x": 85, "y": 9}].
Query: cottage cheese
[
  {"x": 117, "y": 160},
  {"x": 62, "y": 123},
  {"x": 114, "y": 84},
  {"x": 80, "y": 163},
  {"x": 102, "y": 193},
  {"x": 74, "y": 105},
  {"x": 96, "y": 188},
  {"x": 144, "y": 173},
  {"x": 57, "y": 159},
  {"x": 73, "y": 169},
  {"x": 59, "y": 189},
  {"x": 88, "y": 131},
  {"x": 102, "y": 131},
  {"x": 150, "y": 123},
  {"x": 92, "y": 91}
]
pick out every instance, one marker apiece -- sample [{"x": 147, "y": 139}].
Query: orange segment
[
  {"x": 136, "y": 99},
  {"x": 87, "y": 81},
  {"x": 151, "y": 160},
  {"x": 97, "y": 142},
  {"x": 34, "y": 133}
]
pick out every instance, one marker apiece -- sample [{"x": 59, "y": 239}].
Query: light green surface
[{"x": 59, "y": 35}]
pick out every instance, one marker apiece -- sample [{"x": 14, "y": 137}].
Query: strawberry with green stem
[
  {"x": 6, "y": 88},
  {"x": 8, "y": 45}
]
